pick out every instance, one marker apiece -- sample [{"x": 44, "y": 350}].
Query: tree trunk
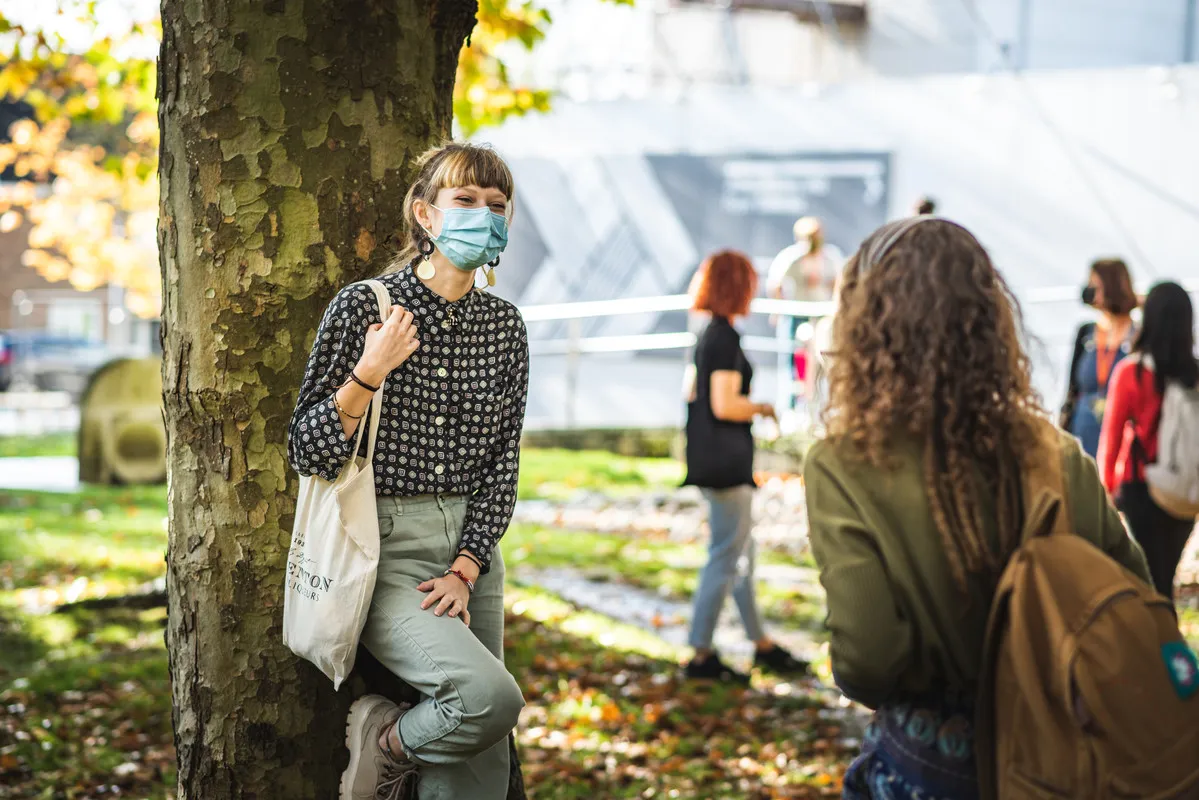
[{"x": 289, "y": 128}]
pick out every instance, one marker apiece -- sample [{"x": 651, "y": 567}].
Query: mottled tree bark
[{"x": 289, "y": 128}]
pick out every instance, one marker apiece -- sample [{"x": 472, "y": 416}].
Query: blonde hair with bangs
[{"x": 452, "y": 164}]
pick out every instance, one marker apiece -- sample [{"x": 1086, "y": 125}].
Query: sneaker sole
[{"x": 353, "y": 743}]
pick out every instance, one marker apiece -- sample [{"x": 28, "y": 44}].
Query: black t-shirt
[{"x": 720, "y": 455}]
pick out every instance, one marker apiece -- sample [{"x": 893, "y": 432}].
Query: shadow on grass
[
  {"x": 665, "y": 568},
  {"x": 85, "y": 702},
  {"x": 609, "y": 716}
]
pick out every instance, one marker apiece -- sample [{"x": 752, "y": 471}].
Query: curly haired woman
[{"x": 914, "y": 498}]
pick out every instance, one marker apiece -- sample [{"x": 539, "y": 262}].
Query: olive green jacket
[{"x": 898, "y": 626}]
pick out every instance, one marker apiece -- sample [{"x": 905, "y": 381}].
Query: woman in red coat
[{"x": 1164, "y": 351}]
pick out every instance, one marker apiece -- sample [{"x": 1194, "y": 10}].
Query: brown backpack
[{"x": 1088, "y": 688}]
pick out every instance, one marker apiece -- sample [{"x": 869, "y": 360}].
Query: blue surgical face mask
[{"x": 471, "y": 237}]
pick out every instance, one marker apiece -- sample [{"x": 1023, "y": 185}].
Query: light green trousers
[{"x": 470, "y": 703}]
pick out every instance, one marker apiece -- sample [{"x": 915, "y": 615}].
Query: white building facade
[{"x": 1057, "y": 130}]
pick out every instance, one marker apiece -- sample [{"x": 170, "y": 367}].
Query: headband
[{"x": 871, "y": 256}]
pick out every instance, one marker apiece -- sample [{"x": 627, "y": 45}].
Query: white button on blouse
[{"x": 469, "y": 415}]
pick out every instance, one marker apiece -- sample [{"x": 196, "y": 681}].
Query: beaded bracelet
[
  {"x": 469, "y": 583},
  {"x": 340, "y": 410}
]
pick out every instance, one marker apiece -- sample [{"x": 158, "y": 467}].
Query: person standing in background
[
  {"x": 805, "y": 271},
  {"x": 925, "y": 205},
  {"x": 720, "y": 461},
  {"x": 808, "y": 269},
  {"x": 1164, "y": 353},
  {"x": 816, "y": 378},
  {"x": 1098, "y": 348}
]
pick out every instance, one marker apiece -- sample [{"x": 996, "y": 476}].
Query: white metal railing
[
  {"x": 574, "y": 312},
  {"x": 672, "y": 302},
  {"x": 576, "y": 345},
  {"x": 1069, "y": 294},
  {"x": 590, "y": 309}
]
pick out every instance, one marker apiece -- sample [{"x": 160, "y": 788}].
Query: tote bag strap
[{"x": 376, "y": 406}]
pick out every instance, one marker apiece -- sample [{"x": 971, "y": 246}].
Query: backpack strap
[
  {"x": 1046, "y": 507},
  {"x": 1046, "y": 512},
  {"x": 1139, "y": 452}
]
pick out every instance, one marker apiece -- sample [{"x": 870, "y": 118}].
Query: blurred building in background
[
  {"x": 606, "y": 51},
  {"x": 1057, "y": 130},
  {"x": 52, "y": 336}
]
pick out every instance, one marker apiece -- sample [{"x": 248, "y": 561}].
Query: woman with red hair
[{"x": 720, "y": 457}]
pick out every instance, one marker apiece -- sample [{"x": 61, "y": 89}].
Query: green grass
[
  {"x": 99, "y": 540},
  {"x": 656, "y": 566},
  {"x": 50, "y": 444},
  {"x": 85, "y": 699},
  {"x": 1188, "y": 623},
  {"x": 544, "y": 473},
  {"x": 664, "y": 567},
  {"x": 549, "y": 474}
]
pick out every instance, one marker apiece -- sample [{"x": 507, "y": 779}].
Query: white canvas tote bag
[{"x": 334, "y": 554}]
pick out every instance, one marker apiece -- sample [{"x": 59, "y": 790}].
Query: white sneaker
[{"x": 372, "y": 774}]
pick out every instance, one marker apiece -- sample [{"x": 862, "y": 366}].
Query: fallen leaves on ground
[
  {"x": 608, "y": 723},
  {"x": 85, "y": 700},
  {"x": 601, "y": 722},
  {"x": 92, "y": 719}
]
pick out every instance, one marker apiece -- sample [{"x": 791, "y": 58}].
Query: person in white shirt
[{"x": 806, "y": 271}]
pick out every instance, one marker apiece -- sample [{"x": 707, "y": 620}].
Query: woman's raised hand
[{"x": 388, "y": 345}]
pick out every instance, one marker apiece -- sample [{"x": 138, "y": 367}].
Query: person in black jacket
[
  {"x": 720, "y": 456},
  {"x": 1098, "y": 348}
]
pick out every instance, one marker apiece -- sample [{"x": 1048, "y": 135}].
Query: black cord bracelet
[
  {"x": 362, "y": 383},
  {"x": 469, "y": 557}
]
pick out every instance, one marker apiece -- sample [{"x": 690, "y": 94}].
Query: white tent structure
[{"x": 1049, "y": 169}]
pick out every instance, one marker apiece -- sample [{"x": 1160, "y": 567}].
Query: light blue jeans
[
  {"x": 730, "y": 566},
  {"x": 458, "y": 733}
]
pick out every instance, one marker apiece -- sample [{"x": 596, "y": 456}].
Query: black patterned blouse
[{"x": 452, "y": 413}]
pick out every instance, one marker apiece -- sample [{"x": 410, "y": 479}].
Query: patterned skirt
[{"x": 917, "y": 750}]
